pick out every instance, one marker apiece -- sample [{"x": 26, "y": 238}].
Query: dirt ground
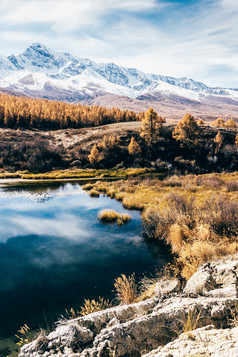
[{"x": 88, "y": 136}]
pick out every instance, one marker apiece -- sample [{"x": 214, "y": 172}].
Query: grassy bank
[
  {"x": 196, "y": 215},
  {"x": 87, "y": 174}
]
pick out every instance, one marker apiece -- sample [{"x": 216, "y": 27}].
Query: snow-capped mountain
[{"x": 42, "y": 72}]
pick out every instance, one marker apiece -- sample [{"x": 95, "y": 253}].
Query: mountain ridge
[{"x": 42, "y": 72}]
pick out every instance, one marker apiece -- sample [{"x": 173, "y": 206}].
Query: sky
[{"x": 182, "y": 38}]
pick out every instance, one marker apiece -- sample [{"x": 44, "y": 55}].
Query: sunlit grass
[
  {"x": 111, "y": 216},
  {"x": 196, "y": 215},
  {"x": 78, "y": 173}
]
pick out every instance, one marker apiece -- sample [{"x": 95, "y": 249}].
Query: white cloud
[
  {"x": 199, "y": 41},
  {"x": 63, "y": 226},
  {"x": 67, "y": 15}
]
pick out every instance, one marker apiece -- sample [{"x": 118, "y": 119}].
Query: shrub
[
  {"x": 209, "y": 181},
  {"x": 231, "y": 186},
  {"x": 221, "y": 214}
]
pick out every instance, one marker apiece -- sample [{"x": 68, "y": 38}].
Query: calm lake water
[{"x": 54, "y": 252}]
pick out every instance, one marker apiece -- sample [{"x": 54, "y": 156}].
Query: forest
[{"x": 21, "y": 112}]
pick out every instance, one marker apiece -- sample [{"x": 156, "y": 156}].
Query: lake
[{"x": 54, "y": 253}]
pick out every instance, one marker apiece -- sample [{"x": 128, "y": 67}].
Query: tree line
[{"x": 21, "y": 112}]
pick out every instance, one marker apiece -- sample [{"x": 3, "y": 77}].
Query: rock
[
  {"x": 209, "y": 297},
  {"x": 167, "y": 286},
  {"x": 202, "y": 281},
  {"x": 218, "y": 278},
  {"x": 206, "y": 341}
]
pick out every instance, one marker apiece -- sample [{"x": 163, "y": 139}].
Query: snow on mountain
[{"x": 40, "y": 69}]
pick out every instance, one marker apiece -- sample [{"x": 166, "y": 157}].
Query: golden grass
[
  {"x": 196, "y": 215},
  {"x": 91, "y": 306},
  {"x": 88, "y": 307},
  {"x": 79, "y": 174},
  {"x": 111, "y": 216},
  {"x": 94, "y": 193},
  {"x": 23, "y": 335},
  {"x": 191, "y": 321},
  {"x": 126, "y": 289}
]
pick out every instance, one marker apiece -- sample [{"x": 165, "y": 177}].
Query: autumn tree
[
  {"x": 218, "y": 122},
  {"x": 95, "y": 156},
  {"x": 200, "y": 122},
  {"x": 231, "y": 124},
  {"x": 218, "y": 141},
  {"x": 151, "y": 126},
  {"x": 236, "y": 140},
  {"x": 187, "y": 130},
  {"x": 134, "y": 147}
]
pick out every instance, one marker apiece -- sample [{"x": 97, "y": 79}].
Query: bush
[
  {"x": 231, "y": 186},
  {"x": 221, "y": 214}
]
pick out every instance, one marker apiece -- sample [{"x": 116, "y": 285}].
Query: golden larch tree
[
  {"x": 200, "y": 122},
  {"x": 151, "y": 125},
  {"x": 236, "y": 140},
  {"x": 218, "y": 140},
  {"x": 231, "y": 124},
  {"x": 218, "y": 122},
  {"x": 134, "y": 147},
  {"x": 187, "y": 129},
  {"x": 94, "y": 157}
]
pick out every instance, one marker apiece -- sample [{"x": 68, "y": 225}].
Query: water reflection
[{"x": 54, "y": 252}]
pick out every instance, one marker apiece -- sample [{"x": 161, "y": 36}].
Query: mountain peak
[
  {"x": 38, "y": 48},
  {"x": 38, "y": 45}
]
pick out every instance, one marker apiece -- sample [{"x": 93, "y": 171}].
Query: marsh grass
[
  {"x": 79, "y": 174},
  {"x": 111, "y": 217},
  {"x": 94, "y": 193},
  {"x": 196, "y": 215}
]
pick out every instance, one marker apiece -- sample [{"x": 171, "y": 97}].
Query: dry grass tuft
[
  {"x": 176, "y": 237},
  {"x": 191, "y": 321},
  {"x": 111, "y": 216},
  {"x": 88, "y": 186},
  {"x": 126, "y": 289},
  {"x": 91, "y": 306},
  {"x": 88, "y": 307},
  {"x": 23, "y": 335},
  {"x": 94, "y": 193}
]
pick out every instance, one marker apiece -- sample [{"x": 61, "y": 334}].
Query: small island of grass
[{"x": 111, "y": 217}]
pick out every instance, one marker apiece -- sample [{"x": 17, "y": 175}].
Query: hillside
[{"x": 45, "y": 150}]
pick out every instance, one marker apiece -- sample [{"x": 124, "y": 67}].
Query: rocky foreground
[{"x": 154, "y": 327}]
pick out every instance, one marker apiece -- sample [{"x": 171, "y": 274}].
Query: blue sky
[{"x": 197, "y": 39}]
